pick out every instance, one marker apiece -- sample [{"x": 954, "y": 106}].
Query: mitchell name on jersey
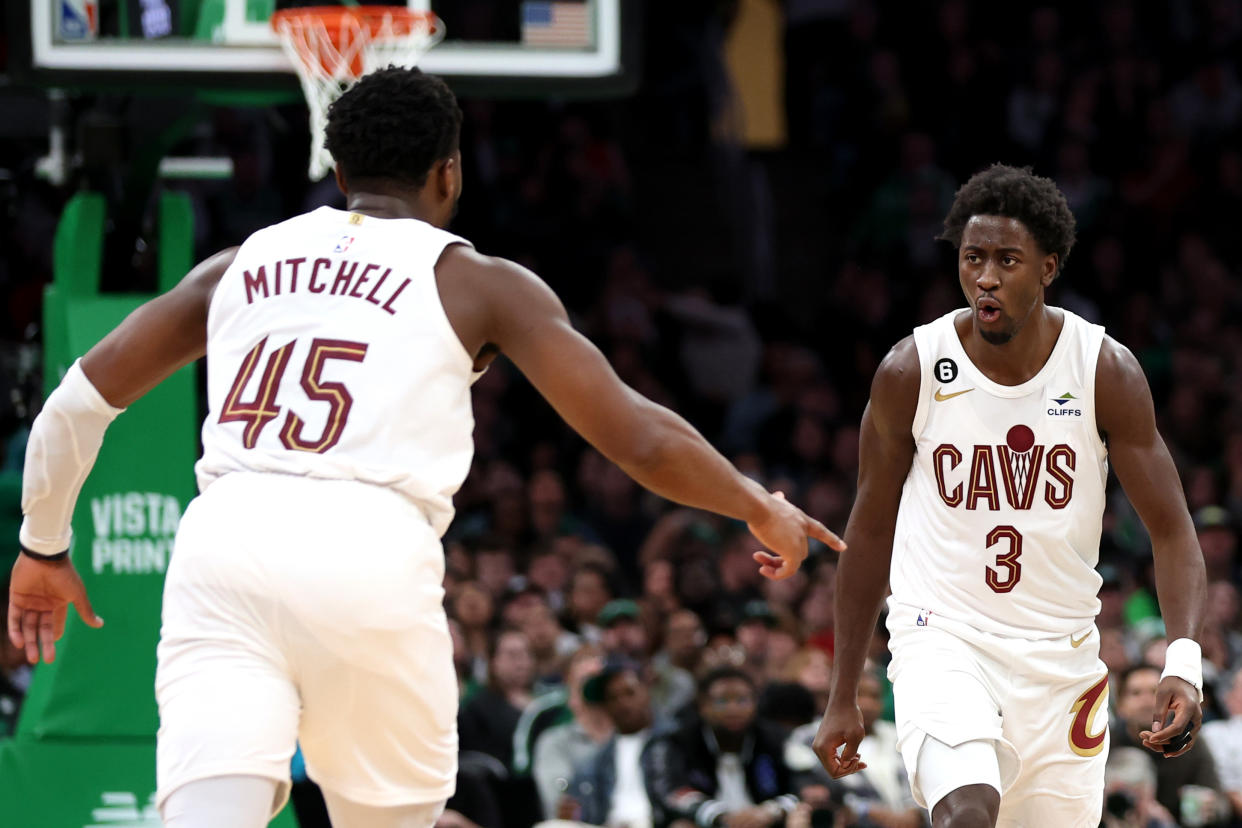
[
  {"x": 330, "y": 277},
  {"x": 1000, "y": 517}
]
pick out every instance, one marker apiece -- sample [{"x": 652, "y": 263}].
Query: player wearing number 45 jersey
[
  {"x": 983, "y": 460},
  {"x": 304, "y": 598}
]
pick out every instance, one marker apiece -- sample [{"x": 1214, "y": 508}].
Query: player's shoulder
[
  {"x": 1117, "y": 362},
  {"x": 1121, "y": 389},
  {"x": 204, "y": 276},
  {"x": 486, "y": 277},
  {"x": 895, "y": 387},
  {"x": 899, "y": 368}
]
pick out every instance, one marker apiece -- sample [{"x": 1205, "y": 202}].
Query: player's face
[{"x": 1003, "y": 274}]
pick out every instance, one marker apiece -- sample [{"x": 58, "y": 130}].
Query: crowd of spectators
[{"x": 620, "y": 661}]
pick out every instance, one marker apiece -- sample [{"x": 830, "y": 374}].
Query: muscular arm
[
  {"x": 886, "y": 450},
  {"x": 493, "y": 302},
  {"x": 1126, "y": 417}
]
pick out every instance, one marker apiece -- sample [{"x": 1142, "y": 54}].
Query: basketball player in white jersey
[
  {"x": 304, "y": 598},
  {"x": 983, "y": 459}
]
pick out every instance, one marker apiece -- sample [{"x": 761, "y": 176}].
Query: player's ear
[
  {"x": 450, "y": 178},
  {"x": 1052, "y": 263},
  {"x": 340, "y": 181}
]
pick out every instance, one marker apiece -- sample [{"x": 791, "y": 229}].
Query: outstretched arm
[
  {"x": 1126, "y": 417},
  {"x": 523, "y": 317},
  {"x": 886, "y": 450},
  {"x": 153, "y": 342}
]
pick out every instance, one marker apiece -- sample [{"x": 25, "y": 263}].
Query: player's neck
[
  {"x": 1022, "y": 357},
  {"x": 390, "y": 206}
]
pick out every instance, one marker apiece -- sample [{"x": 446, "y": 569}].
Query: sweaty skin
[
  {"x": 494, "y": 306},
  {"x": 1008, "y": 333}
]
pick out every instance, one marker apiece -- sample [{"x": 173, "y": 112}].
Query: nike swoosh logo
[
  {"x": 1078, "y": 643},
  {"x": 941, "y": 397}
]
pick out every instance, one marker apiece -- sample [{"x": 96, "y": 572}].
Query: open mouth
[{"x": 988, "y": 310}]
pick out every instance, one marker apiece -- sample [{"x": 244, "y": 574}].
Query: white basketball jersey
[
  {"x": 329, "y": 355},
  {"x": 1000, "y": 518}
]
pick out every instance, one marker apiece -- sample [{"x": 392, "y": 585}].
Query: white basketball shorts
[
  {"x": 310, "y": 610},
  {"x": 1041, "y": 703}
]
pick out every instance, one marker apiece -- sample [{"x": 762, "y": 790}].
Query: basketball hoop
[{"x": 332, "y": 46}]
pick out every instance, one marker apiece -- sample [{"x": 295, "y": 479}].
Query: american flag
[{"x": 554, "y": 23}]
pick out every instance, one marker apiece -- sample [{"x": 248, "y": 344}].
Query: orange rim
[{"x": 368, "y": 18}]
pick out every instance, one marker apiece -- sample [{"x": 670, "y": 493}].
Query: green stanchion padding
[
  {"x": 54, "y": 785},
  {"x": 84, "y": 751},
  {"x": 176, "y": 245},
  {"x": 77, "y": 247}
]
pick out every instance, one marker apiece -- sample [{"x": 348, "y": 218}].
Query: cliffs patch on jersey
[{"x": 1019, "y": 470}]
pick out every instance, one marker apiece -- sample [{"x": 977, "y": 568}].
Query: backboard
[{"x": 500, "y": 47}]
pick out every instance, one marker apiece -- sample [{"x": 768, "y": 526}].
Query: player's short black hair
[
  {"x": 1015, "y": 192},
  {"x": 394, "y": 124}
]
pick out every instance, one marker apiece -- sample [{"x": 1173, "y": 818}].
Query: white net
[{"x": 331, "y": 48}]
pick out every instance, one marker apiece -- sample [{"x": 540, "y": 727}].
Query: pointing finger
[{"x": 824, "y": 535}]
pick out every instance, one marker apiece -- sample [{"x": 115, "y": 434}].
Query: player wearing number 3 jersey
[
  {"x": 983, "y": 462},
  {"x": 304, "y": 597}
]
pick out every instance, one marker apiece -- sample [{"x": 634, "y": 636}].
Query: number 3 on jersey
[
  {"x": 1005, "y": 577},
  {"x": 261, "y": 410}
]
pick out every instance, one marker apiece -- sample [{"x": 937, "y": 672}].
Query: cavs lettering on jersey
[
  {"x": 1000, "y": 517},
  {"x": 329, "y": 355}
]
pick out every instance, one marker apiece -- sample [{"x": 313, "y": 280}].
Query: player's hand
[
  {"x": 842, "y": 728},
  {"x": 40, "y": 593},
  {"x": 1177, "y": 706},
  {"x": 784, "y": 530}
]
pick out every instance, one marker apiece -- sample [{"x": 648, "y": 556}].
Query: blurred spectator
[
  {"x": 548, "y": 571},
  {"x": 487, "y": 722},
  {"x": 472, "y": 608},
  {"x": 812, "y": 668},
  {"x": 561, "y": 749},
  {"x": 1224, "y": 739},
  {"x": 1130, "y": 792},
  {"x": 723, "y": 767},
  {"x": 1219, "y": 540},
  {"x": 621, "y": 632},
  {"x": 589, "y": 590},
  {"x": 752, "y": 634},
  {"x": 608, "y": 788},
  {"x": 549, "y": 642},
  {"x": 1181, "y": 781}
]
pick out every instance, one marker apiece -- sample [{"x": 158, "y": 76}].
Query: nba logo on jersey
[
  {"x": 343, "y": 244},
  {"x": 924, "y": 618},
  {"x": 79, "y": 19}
]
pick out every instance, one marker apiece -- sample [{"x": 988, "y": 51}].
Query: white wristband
[{"x": 1184, "y": 659}]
